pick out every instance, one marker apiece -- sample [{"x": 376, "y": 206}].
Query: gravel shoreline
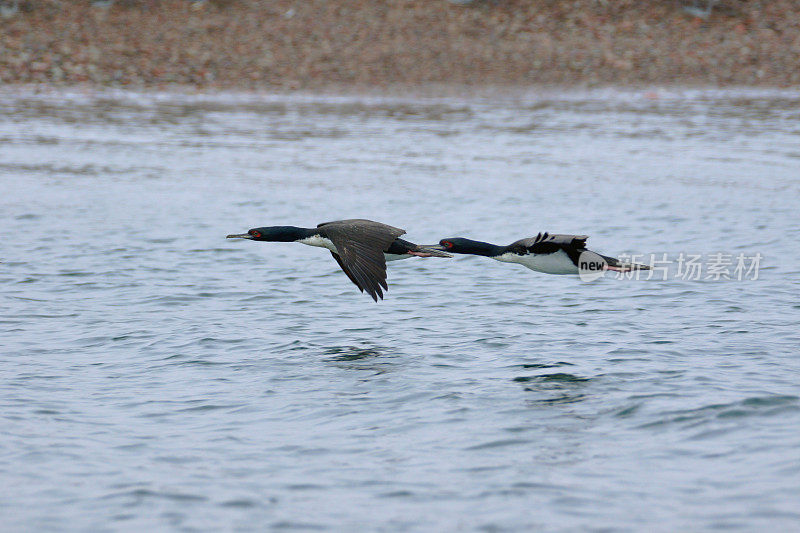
[{"x": 393, "y": 45}]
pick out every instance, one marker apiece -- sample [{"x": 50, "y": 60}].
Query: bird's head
[
  {"x": 271, "y": 234},
  {"x": 459, "y": 245},
  {"x": 454, "y": 245}
]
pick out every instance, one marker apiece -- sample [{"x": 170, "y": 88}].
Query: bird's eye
[
  {"x": 254, "y": 233},
  {"x": 447, "y": 244}
]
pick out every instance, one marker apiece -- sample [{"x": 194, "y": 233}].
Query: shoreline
[
  {"x": 436, "y": 94},
  {"x": 399, "y": 45}
]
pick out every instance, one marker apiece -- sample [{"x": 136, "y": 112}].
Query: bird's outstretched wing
[
  {"x": 360, "y": 245},
  {"x": 547, "y": 243}
]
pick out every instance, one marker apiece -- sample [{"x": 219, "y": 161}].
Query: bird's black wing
[
  {"x": 547, "y": 243},
  {"x": 349, "y": 275},
  {"x": 360, "y": 245}
]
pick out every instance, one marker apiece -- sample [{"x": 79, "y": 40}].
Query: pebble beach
[{"x": 323, "y": 44}]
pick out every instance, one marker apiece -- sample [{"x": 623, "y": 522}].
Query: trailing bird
[
  {"x": 360, "y": 247},
  {"x": 548, "y": 253}
]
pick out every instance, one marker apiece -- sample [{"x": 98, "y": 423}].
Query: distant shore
[{"x": 376, "y": 45}]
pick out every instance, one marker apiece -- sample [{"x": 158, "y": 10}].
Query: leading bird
[{"x": 361, "y": 247}]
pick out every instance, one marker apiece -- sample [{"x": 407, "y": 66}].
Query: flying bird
[
  {"x": 360, "y": 247},
  {"x": 548, "y": 253}
]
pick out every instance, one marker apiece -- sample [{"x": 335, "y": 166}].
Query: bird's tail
[
  {"x": 429, "y": 250},
  {"x": 623, "y": 266}
]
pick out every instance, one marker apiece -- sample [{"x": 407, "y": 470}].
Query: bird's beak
[
  {"x": 240, "y": 236},
  {"x": 435, "y": 247}
]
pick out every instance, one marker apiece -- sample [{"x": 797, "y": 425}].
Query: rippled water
[{"x": 154, "y": 374}]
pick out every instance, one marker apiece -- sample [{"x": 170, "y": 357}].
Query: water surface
[{"x": 155, "y": 375}]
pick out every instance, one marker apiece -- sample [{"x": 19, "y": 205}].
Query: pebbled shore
[{"x": 319, "y": 44}]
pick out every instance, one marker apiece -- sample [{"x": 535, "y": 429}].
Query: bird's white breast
[
  {"x": 324, "y": 242},
  {"x": 555, "y": 263},
  {"x": 318, "y": 240}
]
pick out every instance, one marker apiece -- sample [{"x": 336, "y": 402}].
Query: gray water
[{"x": 155, "y": 375}]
